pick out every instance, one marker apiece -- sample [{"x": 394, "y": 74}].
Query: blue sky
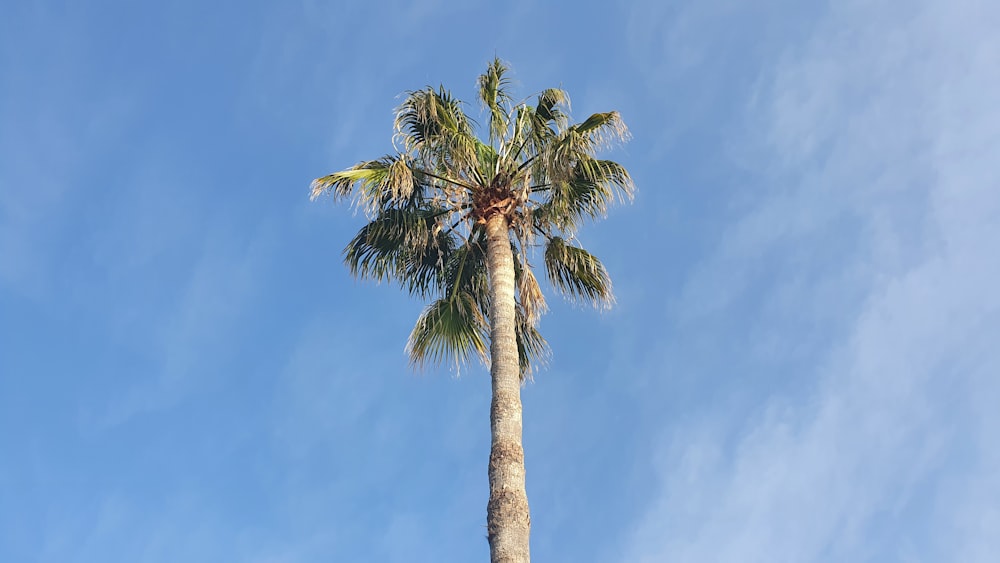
[{"x": 802, "y": 365}]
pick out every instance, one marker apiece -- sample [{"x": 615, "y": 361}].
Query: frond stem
[
  {"x": 449, "y": 210},
  {"x": 453, "y": 227},
  {"x": 449, "y": 180},
  {"x": 525, "y": 164},
  {"x": 458, "y": 277},
  {"x": 524, "y": 143}
]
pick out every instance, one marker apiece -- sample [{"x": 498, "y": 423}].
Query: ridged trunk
[{"x": 508, "y": 522}]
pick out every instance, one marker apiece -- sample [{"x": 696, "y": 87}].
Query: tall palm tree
[{"x": 456, "y": 219}]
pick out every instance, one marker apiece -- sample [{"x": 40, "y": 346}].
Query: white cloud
[{"x": 886, "y": 120}]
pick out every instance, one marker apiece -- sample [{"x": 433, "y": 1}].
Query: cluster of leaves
[{"x": 428, "y": 203}]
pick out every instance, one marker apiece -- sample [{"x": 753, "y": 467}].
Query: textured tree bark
[{"x": 508, "y": 522}]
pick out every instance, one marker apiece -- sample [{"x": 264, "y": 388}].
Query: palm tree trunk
[{"x": 507, "y": 519}]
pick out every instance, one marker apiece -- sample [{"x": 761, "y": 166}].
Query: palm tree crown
[{"x": 428, "y": 205}]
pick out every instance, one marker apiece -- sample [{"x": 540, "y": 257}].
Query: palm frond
[
  {"x": 577, "y": 273},
  {"x": 431, "y": 123},
  {"x": 465, "y": 270},
  {"x": 375, "y": 184},
  {"x": 495, "y": 99},
  {"x": 451, "y": 328},
  {"x": 604, "y": 129},
  {"x": 486, "y": 162},
  {"x": 600, "y": 130},
  {"x": 536, "y": 127},
  {"x": 402, "y": 245},
  {"x": 341, "y": 184},
  {"x": 532, "y": 349},
  {"x": 553, "y": 106},
  {"x": 530, "y": 295},
  {"x": 520, "y": 132},
  {"x": 587, "y": 193}
]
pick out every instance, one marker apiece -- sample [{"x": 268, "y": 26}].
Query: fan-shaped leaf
[
  {"x": 577, "y": 273},
  {"x": 452, "y": 329},
  {"x": 403, "y": 245}
]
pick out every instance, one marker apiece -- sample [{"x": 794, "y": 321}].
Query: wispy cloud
[
  {"x": 61, "y": 128},
  {"x": 189, "y": 338},
  {"x": 879, "y": 131},
  {"x": 367, "y": 453}
]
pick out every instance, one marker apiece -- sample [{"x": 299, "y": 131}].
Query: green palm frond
[
  {"x": 486, "y": 162},
  {"x": 432, "y": 124},
  {"x": 405, "y": 245},
  {"x": 520, "y": 133},
  {"x": 581, "y": 141},
  {"x": 547, "y": 121},
  {"x": 376, "y": 184},
  {"x": 603, "y": 129},
  {"x": 495, "y": 99},
  {"x": 551, "y": 109},
  {"x": 369, "y": 174},
  {"x": 588, "y": 192},
  {"x": 465, "y": 270},
  {"x": 451, "y": 328},
  {"x": 577, "y": 273}
]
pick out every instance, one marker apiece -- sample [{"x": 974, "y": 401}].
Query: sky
[{"x": 801, "y": 367}]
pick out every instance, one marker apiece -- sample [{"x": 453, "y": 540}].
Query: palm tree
[{"x": 456, "y": 219}]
